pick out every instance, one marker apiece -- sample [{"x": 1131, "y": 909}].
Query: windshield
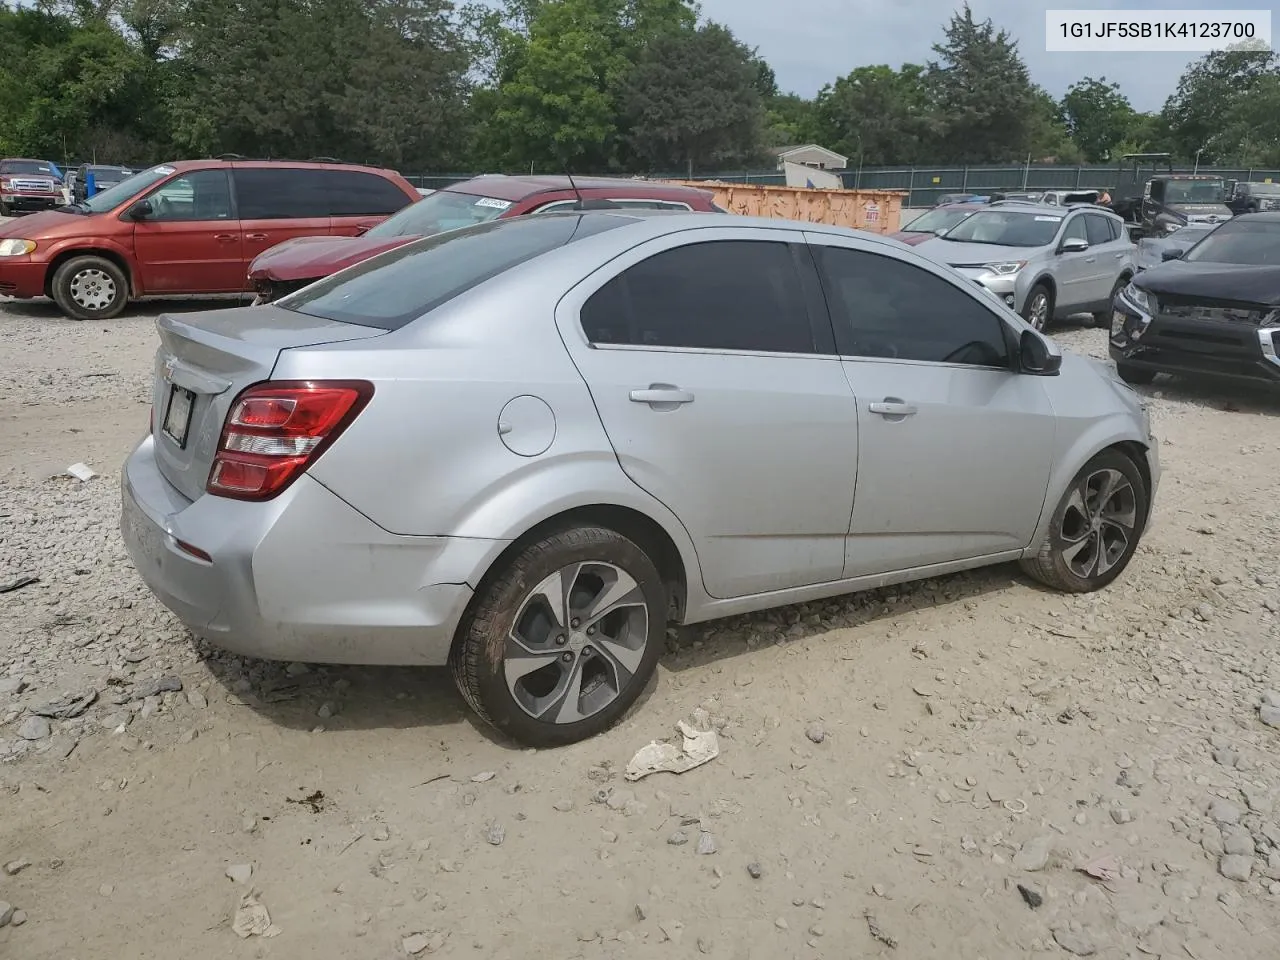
[
  {"x": 1265, "y": 189},
  {"x": 401, "y": 285},
  {"x": 1193, "y": 191},
  {"x": 1254, "y": 243},
  {"x": 38, "y": 167},
  {"x": 1006, "y": 228},
  {"x": 936, "y": 221},
  {"x": 441, "y": 211},
  {"x": 115, "y": 195},
  {"x": 114, "y": 173}
]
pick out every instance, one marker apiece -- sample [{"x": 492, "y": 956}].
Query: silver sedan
[{"x": 523, "y": 448}]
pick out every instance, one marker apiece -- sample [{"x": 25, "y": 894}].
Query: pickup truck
[
  {"x": 1157, "y": 201},
  {"x": 27, "y": 185}
]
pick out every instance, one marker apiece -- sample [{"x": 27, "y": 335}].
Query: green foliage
[
  {"x": 693, "y": 99},
  {"x": 877, "y": 115},
  {"x": 1227, "y": 108},
  {"x": 1098, "y": 116}
]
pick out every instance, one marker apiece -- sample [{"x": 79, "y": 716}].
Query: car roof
[
  {"x": 1266, "y": 216},
  {"x": 502, "y": 187},
  {"x": 1050, "y": 209},
  {"x": 182, "y": 166}
]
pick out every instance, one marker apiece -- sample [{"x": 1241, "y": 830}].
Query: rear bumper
[
  {"x": 302, "y": 577},
  {"x": 1235, "y": 351},
  {"x": 21, "y": 277}
]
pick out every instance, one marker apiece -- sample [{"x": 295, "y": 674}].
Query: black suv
[{"x": 1248, "y": 197}]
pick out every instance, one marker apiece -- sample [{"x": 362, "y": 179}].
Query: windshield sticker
[
  {"x": 491, "y": 202},
  {"x": 163, "y": 171},
  {"x": 1048, "y": 219}
]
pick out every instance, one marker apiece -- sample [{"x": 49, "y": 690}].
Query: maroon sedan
[
  {"x": 295, "y": 263},
  {"x": 930, "y": 224}
]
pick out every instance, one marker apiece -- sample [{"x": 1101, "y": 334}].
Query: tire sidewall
[
  {"x": 62, "y": 288},
  {"x": 1107, "y": 459},
  {"x": 501, "y": 601},
  {"x": 1039, "y": 290}
]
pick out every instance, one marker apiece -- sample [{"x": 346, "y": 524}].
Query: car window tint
[
  {"x": 889, "y": 309},
  {"x": 355, "y": 194},
  {"x": 199, "y": 195},
  {"x": 1076, "y": 230},
  {"x": 1096, "y": 229},
  {"x": 401, "y": 285},
  {"x": 280, "y": 193},
  {"x": 718, "y": 295}
]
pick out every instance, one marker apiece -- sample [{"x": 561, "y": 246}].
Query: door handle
[
  {"x": 1119, "y": 256},
  {"x": 225, "y": 237},
  {"x": 892, "y": 407},
  {"x": 661, "y": 393},
  {"x": 255, "y": 236},
  {"x": 1091, "y": 260}
]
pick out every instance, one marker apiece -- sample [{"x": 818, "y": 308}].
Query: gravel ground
[{"x": 925, "y": 771}]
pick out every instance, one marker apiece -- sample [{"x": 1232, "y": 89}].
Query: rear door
[
  {"x": 954, "y": 447},
  {"x": 276, "y": 204},
  {"x": 710, "y": 360},
  {"x": 359, "y": 200},
  {"x": 191, "y": 241}
]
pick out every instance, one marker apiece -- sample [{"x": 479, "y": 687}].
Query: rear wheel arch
[{"x": 106, "y": 254}]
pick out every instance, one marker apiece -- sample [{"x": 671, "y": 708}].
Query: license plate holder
[{"x": 177, "y": 416}]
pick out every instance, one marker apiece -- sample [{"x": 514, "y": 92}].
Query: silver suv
[{"x": 1044, "y": 261}]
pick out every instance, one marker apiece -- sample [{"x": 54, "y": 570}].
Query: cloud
[{"x": 811, "y": 42}]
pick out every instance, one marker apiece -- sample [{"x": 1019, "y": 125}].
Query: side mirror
[
  {"x": 1035, "y": 358},
  {"x": 140, "y": 210},
  {"x": 1074, "y": 245},
  {"x": 1173, "y": 253}
]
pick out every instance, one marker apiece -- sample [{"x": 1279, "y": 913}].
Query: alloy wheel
[
  {"x": 1098, "y": 524},
  {"x": 93, "y": 289},
  {"x": 1038, "y": 313},
  {"x": 577, "y": 641}
]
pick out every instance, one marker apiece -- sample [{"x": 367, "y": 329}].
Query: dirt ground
[{"x": 980, "y": 741}]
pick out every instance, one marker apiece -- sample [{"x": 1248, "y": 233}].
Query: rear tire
[
  {"x": 90, "y": 288},
  {"x": 563, "y": 638},
  {"x": 1137, "y": 376},
  {"x": 1095, "y": 528},
  {"x": 1038, "y": 310}
]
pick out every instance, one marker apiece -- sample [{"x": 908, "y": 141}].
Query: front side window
[
  {"x": 717, "y": 295},
  {"x": 1250, "y": 242},
  {"x": 441, "y": 211},
  {"x": 1006, "y": 228},
  {"x": 199, "y": 195},
  {"x": 888, "y": 309},
  {"x": 1076, "y": 230},
  {"x": 281, "y": 193}
]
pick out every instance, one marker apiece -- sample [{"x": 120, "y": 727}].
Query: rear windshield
[
  {"x": 1005, "y": 228},
  {"x": 441, "y": 211},
  {"x": 935, "y": 221},
  {"x": 401, "y": 285},
  {"x": 1250, "y": 242}
]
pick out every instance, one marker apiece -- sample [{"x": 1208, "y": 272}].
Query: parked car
[
  {"x": 1046, "y": 262},
  {"x": 1031, "y": 197},
  {"x": 1211, "y": 309},
  {"x": 104, "y": 178},
  {"x": 521, "y": 447},
  {"x": 27, "y": 185},
  {"x": 1151, "y": 250},
  {"x": 949, "y": 198},
  {"x": 293, "y": 265},
  {"x": 934, "y": 222},
  {"x": 1248, "y": 197},
  {"x": 190, "y": 227}
]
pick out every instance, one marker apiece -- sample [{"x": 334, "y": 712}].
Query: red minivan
[{"x": 190, "y": 227}]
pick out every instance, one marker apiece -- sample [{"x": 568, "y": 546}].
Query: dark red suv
[
  {"x": 296, "y": 263},
  {"x": 191, "y": 227}
]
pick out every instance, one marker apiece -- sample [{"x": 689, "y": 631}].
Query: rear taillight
[{"x": 275, "y": 430}]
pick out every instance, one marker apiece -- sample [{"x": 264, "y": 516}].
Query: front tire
[
  {"x": 564, "y": 638},
  {"x": 1137, "y": 376},
  {"x": 1103, "y": 317},
  {"x": 1038, "y": 310},
  {"x": 90, "y": 288},
  {"x": 1095, "y": 528}
]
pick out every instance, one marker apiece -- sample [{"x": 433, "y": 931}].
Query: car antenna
[{"x": 583, "y": 203}]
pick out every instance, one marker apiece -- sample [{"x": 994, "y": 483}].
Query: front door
[
  {"x": 1075, "y": 272},
  {"x": 190, "y": 242},
  {"x": 954, "y": 447},
  {"x": 712, "y": 366}
]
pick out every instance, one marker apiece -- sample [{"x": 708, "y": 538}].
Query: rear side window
[
  {"x": 719, "y": 295},
  {"x": 1097, "y": 229},
  {"x": 401, "y": 285},
  {"x": 352, "y": 193},
  {"x": 280, "y": 193}
]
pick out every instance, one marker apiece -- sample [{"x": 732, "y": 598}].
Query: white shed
[{"x": 811, "y": 155}]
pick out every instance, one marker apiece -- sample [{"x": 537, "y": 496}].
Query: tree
[
  {"x": 981, "y": 92},
  {"x": 1048, "y": 139},
  {"x": 1098, "y": 116},
  {"x": 693, "y": 99},
  {"x": 1211, "y": 87},
  {"x": 877, "y": 114}
]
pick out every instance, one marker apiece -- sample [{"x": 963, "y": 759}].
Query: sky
[{"x": 811, "y": 42}]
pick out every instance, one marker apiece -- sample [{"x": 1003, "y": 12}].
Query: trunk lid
[{"x": 204, "y": 361}]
